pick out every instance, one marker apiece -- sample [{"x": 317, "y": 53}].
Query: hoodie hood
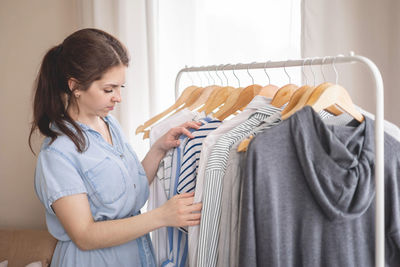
[{"x": 338, "y": 163}]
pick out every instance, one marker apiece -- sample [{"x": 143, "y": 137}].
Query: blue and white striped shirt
[
  {"x": 191, "y": 157},
  {"x": 177, "y": 237}
]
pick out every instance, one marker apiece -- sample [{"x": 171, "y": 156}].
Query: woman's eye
[{"x": 108, "y": 91}]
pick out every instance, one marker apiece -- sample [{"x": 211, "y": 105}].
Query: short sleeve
[{"x": 56, "y": 177}]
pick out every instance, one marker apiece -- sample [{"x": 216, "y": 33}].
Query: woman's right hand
[{"x": 180, "y": 211}]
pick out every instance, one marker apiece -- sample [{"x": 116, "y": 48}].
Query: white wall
[
  {"x": 369, "y": 28},
  {"x": 28, "y": 28}
]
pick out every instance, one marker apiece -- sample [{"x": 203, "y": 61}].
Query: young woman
[{"x": 88, "y": 178}]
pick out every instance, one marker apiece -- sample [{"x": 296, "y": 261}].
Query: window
[{"x": 207, "y": 32}]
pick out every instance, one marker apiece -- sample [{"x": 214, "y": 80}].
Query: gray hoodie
[{"x": 308, "y": 195}]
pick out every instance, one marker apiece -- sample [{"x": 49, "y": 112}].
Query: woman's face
[{"x": 102, "y": 95}]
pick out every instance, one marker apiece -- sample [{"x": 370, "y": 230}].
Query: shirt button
[
  {"x": 134, "y": 185},
  {"x": 121, "y": 156}
]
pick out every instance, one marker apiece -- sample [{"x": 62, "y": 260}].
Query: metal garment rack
[{"x": 379, "y": 134}]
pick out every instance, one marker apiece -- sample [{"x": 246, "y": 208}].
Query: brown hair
[{"x": 85, "y": 56}]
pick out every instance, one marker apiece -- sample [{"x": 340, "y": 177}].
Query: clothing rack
[{"x": 379, "y": 134}]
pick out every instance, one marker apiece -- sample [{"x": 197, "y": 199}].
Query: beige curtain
[{"x": 367, "y": 27}]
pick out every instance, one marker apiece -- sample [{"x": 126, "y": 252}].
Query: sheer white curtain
[
  {"x": 204, "y": 32},
  {"x": 369, "y": 28},
  {"x": 133, "y": 22}
]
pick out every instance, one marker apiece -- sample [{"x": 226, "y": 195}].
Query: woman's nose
[{"x": 117, "y": 96}]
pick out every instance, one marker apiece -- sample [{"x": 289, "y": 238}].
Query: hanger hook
[
  {"x": 205, "y": 75},
  {"x": 212, "y": 78},
  {"x": 302, "y": 69},
  {"x": 252, "y": 79},
  {"x": 334, "y": 68},
  {"x": 235, "y": 73},
  {"x": 322, "y": 64},
  {"x": 223, "y": 72},
  {"x": 265, "y": 66},
  {"x": 201, "y": 81},
  {"x": 284, "y": 68},
  {"x": 312, "y": 71},
  {"x": 216, "y": 73}
]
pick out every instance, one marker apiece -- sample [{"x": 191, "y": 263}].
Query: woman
[{"x": 87, "y": 175}]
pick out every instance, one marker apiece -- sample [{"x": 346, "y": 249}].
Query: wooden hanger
[
  {"x": 245, "y": 97},
  {"x": 191, "y": 99},
  {"x": 205, "y": 94},
  {"x": 181, "y": 100},
  {"x": 292, "y": 102},
  {"x": 297, "y": 101},
  {"x": 335, "y": 94},
  {"x": 216, "y": 99},
  {"x": 283, "y": 95},
  {"x": 230, "y": 101},
  {"x": 302, "y": 96},
  {"x": 269, "y": 91}
]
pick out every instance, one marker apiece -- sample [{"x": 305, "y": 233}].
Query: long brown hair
[{"x": 84, "y": 56}]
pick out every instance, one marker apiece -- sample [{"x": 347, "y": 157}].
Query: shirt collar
[
  {"x": 258, "y": 102},
  {"x": 83, "y": 126}
]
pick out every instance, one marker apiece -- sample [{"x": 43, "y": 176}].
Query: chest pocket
[{"x": 107, "y": 181}]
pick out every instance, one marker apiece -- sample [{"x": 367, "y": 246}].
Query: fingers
[
  {"x": 185, "y": 195},
  {"x": 196, "y": 207},
  {"x": 187, "y": 125},
  {"x": 194, "y": 217},
  {"x": 192, "y": 124},
  {"x": 187, "y": 199},
  {"x": 184, "y": 129}
]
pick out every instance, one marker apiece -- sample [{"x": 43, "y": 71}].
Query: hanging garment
[
  {"x": 174, "y": 120},
  {"x": 191, "y": 156},
  {"x": 345, "y": 118},
  {"x": 228, "y": 245},
  {"x": 216, "y": 166},
  {"x": 158, "y": 195},
  {"x": 181, "y": 155},
  {"x": 313, "y": 204},
  {"x": 208, "y": 143}
]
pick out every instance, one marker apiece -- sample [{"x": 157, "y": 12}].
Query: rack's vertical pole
[{"x": 379, "y": 166}]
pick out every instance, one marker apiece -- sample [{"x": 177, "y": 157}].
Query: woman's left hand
[{"x": 171, "y": 138}]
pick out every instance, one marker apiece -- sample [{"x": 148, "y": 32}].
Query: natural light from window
[{"x": 207, "y": 32}]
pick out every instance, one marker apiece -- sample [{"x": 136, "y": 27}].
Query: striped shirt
[
  {"x": 324, "y": 115},
  {"x": 177, "y": 237},
  {"x": 227, "y": 125},
  {"x": 216, "y": 166},
  {"x": 191, "y": 157}
]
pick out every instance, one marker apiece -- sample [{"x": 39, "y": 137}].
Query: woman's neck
[{"x": 93, "y": 121}]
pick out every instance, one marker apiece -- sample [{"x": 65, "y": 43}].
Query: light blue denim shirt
[{"x": 115, "y": 183}]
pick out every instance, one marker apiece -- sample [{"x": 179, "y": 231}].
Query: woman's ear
[
  {"x": 72, "y": 84},
  {"x": 74, "y": 87}
]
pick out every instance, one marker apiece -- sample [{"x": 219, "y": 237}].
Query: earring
[{"x": 77, "y": 95}]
